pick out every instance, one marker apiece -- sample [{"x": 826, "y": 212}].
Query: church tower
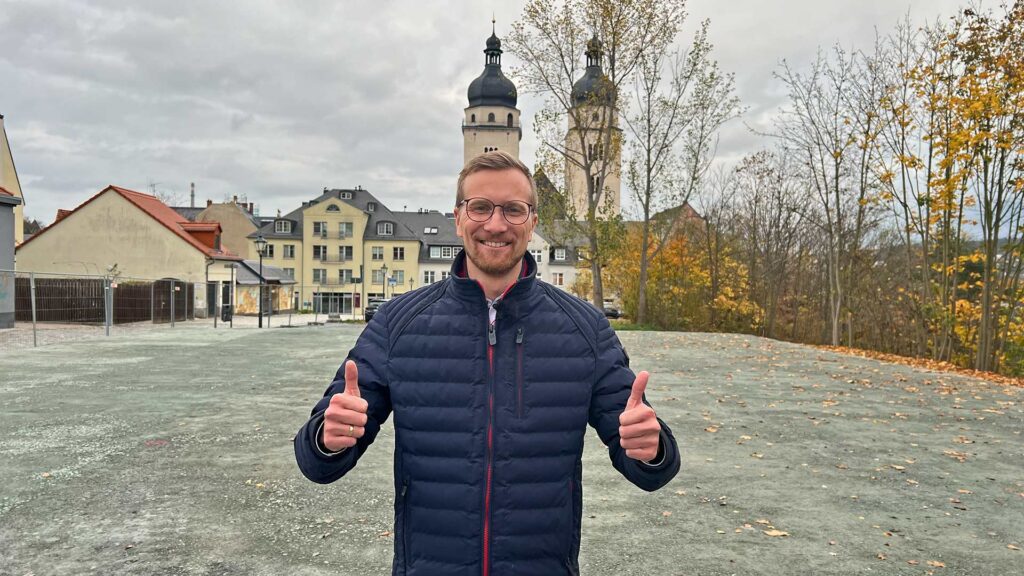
[
  {"x": 492, "y": 119},
  {"x": 594, "y": 111}
]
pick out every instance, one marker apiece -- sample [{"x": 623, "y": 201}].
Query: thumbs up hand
[
  {"x": 345, "y": 417},
  {"x": 639, "y": 430}
]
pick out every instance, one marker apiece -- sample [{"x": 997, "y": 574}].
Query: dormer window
[
  {"x": 346, "y": 195},
  {"x": 385, "y": 229},
  {"x": 430, "y": 230},
  {"x": 282, "y": 227},
  {"x": 371, "y": 206},
  {"x": 333, "y": 208}
]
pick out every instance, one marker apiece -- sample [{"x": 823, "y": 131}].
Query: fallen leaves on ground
[
  {"x": 928, "y": 364},
  {"x": 936, "y": 564},
  {"x": 775, "y": 533}
]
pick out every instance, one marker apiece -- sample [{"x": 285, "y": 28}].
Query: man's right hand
[{"x": 345, "y": 417}]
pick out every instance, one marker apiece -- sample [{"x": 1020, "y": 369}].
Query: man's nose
[{"x": 497, "y": 220}]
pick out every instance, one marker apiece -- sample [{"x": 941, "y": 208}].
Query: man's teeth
[{"x": 497, "y": 244}]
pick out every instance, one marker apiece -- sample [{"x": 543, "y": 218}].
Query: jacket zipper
[
  {"x": 519, "y": 372},
  {"x": 492, "y": 339}
]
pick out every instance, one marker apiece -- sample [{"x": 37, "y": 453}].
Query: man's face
[{"x": 495, "y": 247}]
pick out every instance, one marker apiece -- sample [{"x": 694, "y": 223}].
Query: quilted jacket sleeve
[
  {"x": 613, "y": 382},
  {"x": 370, "y": 355}
]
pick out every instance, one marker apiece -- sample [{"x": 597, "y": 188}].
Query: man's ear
[{"x": 458, "y": 217}]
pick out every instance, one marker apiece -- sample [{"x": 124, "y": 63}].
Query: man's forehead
[{"x": 504, "y": 182}]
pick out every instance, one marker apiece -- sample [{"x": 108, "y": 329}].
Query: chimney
[
  {"x": 209, "y": 202},
  {"x": 193, "y": 204},
  {"x": 250, "y": 207}
]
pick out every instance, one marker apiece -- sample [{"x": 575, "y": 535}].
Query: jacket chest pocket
[{"x": 550, "y": 378}]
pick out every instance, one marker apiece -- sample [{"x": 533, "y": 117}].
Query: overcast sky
[{"x": 276, "y": 100}]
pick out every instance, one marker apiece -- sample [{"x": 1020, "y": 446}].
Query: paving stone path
[{"x": 169, "y": 452}]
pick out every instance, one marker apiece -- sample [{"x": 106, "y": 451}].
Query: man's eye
[
  {"x": 480, "y": 208},
  {"x": 514, "y": 210}
]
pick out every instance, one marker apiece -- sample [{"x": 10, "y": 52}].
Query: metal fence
[{"x": 44, "y": 308}]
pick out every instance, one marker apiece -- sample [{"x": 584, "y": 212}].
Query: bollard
[
  {"x": 172, "y": 303},
  {"x": 32, "y": 286}
]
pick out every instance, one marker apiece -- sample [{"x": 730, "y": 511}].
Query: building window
[
  {"x": 385, "y": 229},
  {"x": 268, "y": 252},
  {"x": 344, "y": 230},
  {"x": 289, "y": 251},
  {"x": 399, "y": 277},
  {"x": 378, "y": 276},
  {"x": 510, "y": 120},
  {"x": 558, "y": 278},
  {"x": 445, "y": 274},
  {"x": 346, "y": 195},
  {"x": 371, "y": 206},
  {"x": 490, "y": 117},
  {"x": 430, "y": 230},
  {"x": 398, "y": 253},
  {"x": 333, "y": 208},
  {"x": 472, "y": 117},
  {"x": 319, "y": 275},
  {"x": 435, "y": 251},
  {"x": 282, "y": 227},
  {"x": 344, "y": 253},
  {"x": 447, "y": 252},
  {"x": 428, "y": 277},
  {"x": 560, "y": 254},
  {"x": 377, "y": 253},
  {"x": 320, "y": 229},
  {"x": 538, "y": 255},
  {"x": 289, "y": 272},
  {"x": 345, "y": 276},
  {"x": 319, "y": 252}
]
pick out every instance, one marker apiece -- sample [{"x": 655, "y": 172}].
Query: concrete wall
[
  {"x": 7, "y": 231},
  {"x": 112, "y": 230}
]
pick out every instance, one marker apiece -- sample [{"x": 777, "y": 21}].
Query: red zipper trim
[{"x": 490, "y": 448}]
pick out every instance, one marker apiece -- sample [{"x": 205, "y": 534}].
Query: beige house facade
[
  {"x": 9, "y": 183},
  {"x": 237, "y": 223},
  {"x": 130, "y": 235}
]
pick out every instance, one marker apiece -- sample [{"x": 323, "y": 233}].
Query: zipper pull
[
  {"x": 519, "y": 335},
  {"x": 492, "y": 338},
  {"x": 405, "y": 488}
]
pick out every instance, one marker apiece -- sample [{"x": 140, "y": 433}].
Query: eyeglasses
[{"x": 481, "y": 210}]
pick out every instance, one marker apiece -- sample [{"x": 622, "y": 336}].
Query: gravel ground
[{"x": 168, "y": 451}]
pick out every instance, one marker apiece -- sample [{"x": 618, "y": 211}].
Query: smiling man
[{"x": 492, "y": 377}]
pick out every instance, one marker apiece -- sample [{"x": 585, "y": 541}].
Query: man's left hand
[{"x": 639, "y": 430}]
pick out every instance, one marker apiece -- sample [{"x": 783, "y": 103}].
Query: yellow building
[
  {"x": 342, "y": 248},
  {"x": 9, "y": 182}
]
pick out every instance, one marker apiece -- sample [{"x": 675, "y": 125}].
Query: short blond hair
[{"x": 496, "y": 160}]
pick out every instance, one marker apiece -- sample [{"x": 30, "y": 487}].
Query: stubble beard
[{"x": 493, "y": 267}]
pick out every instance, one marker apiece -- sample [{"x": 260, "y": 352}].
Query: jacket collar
[{"x": 469, "y": 289}]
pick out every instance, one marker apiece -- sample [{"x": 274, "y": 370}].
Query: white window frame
[
  {"x": 538, "y": 255},
  {"x": 289, "y": 251},
  {"x": 560, "y": 254},
  {"x": 377, "y": 253},
  {"x": 448, "y": 252},
  {"x": 385, "y": 229},
  {"x": 429, "y": 277},
  {"x": 345, "y": 230},
  {"x": 282, "y": 227},
  {"x": 435, "y": 251}
]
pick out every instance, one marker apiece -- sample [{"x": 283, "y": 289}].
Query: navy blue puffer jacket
[{"x": 489, "y": 424}]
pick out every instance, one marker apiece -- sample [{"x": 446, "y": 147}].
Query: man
[{"x": 492, "y": 377}]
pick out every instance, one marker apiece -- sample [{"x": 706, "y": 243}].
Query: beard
[{"x": 492, "y": 264}]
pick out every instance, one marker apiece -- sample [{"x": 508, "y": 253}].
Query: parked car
[
  {"x": 371, "y": 307},
  {"x": 612, "y": 312}
]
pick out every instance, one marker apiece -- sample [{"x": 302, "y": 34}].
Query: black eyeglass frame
[{"x": 504, "y": 215}]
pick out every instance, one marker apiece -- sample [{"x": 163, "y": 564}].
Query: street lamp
[
  {"x": 261, "y": 245},
  {"x": 384, "y": 272}
]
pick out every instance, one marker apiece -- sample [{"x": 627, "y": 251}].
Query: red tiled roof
[{"x": 161, "y": 213}]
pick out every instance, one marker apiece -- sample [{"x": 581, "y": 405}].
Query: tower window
[
  {"x": 490, "y": 117},
  {"x": 510, "y": 120},
  {"x": 472, "y": 117}
]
